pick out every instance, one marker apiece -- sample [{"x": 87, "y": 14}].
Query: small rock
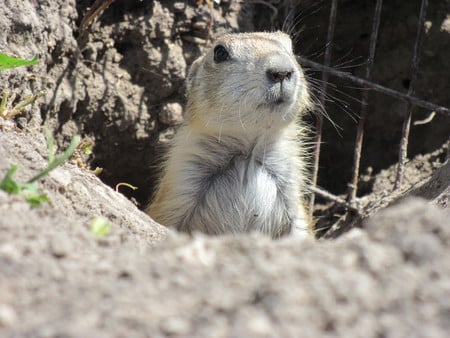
[
  {"x": 117, "y": 58},
  {"x": 193, "y": 39},
  {"x": 175, "y": 326},
  {"x": 103, "y": 268},
  {"x": 10, "y": 251},
  {"x": 8, "y": 316},
  {"x": 259, "y": 327},
  {"x": 60, "y": 246},
  {"x": 200, "y": 25},
  {"x": 445, "y": 26},
  {"x": 171, "y": 113},
  {"x": 179, "y": 6},
  {"x": 428, "y": 24}
]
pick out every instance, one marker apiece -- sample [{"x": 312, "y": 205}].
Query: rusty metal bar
[
  {"x": 353, "y": 184},
  {"x": 403, "y": 153},
  {"x": 319, "y": 122},
  {"x": 367, "y": 85},
  {"x": 336, "y": 199},
  {"x": 376, "y": 87}
]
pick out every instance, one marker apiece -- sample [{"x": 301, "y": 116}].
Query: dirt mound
[{"x": 59, "y": 279}]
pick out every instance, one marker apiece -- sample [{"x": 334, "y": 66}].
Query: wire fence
[{"x": 367, "y": 86}]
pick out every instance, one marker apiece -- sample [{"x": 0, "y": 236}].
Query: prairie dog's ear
[
  {"x": 192, "y": 74},
  {"x": 285, "y": 40}
]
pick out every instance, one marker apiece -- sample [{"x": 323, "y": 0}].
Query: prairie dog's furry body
[{"x": 236, "y": 164}]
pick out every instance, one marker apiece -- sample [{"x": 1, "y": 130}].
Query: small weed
[
  {"x": 128, "y": 185},
  {"x": 30, "y": 190},
  {"x": 8, "y": 111},
  {"x": 55, "y": 161},
  {"x": 100, "y": 226},
  {"x": 81, "y": 155}
]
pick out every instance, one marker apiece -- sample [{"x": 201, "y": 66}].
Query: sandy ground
[{"x": 389, "y": 279}]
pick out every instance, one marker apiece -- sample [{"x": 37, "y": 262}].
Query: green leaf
[
  {"x": 58, "y": 160},
  {"x": 100, "y": 226},
  {"x": 33, "y": 195},
  {"x": 8, "y": 62},
  {"x": 30, "y": 191},
  {"x": 88, "y": 150},
  {"x": 50, "y": 144},
  {"x": 9, "y": 184}
]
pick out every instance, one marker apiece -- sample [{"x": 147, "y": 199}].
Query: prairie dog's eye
[{"x": 220, "y": 54}]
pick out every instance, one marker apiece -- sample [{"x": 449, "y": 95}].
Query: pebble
[
  {"x": 200, "y": 25},
  {"x": 445, "y": 26},
  {"x": 8, "y": 316},
  {"x": 175, "y": 326},
  {"x": 60, "y": 246},
  {"x": 171, "y": 114},
  {"x": 10, "y": 251},
  {"x": 193, "y": 39},
  {"x": 259, "y": 327},
  {"x": 179, "y": 6}
]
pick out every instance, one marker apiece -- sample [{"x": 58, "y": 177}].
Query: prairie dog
[{"x": 236, "y": 164}]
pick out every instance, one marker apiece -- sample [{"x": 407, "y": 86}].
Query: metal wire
[
  {"x": 407, "y": 120},
  {"x": 319, "y": 122},
  {"x": 336, "y": 199},
  {"x": 353, "y": 184},
  {"x": 368, "y": 85}
]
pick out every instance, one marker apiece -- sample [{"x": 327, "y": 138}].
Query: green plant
[
  {"x": 8, "y": 62},
  {"x": 100, "y": 226},
  {"x": 7, "y": 111},
  {"x": 128, "y": 185},
  {"x": 30, "y": 189},
  {"x": 55, "y": 161},
  {"x": 81, "y": 155}
]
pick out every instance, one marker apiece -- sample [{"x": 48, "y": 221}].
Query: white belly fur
[{"x": 246, "y": 192}]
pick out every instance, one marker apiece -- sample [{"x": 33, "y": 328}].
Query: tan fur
[{"x": 237, "y": 164}]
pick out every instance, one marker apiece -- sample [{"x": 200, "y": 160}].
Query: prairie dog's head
[{"x": 247, "y": 83}]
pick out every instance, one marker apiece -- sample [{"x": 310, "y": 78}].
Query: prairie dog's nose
[{"x": 279, "y": 74}]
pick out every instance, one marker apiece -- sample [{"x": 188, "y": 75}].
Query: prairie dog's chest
[
  {"x": 243, "y": 192},
  {"x": 257, "y": 177},
  {"x": 258, "y": 183}
]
